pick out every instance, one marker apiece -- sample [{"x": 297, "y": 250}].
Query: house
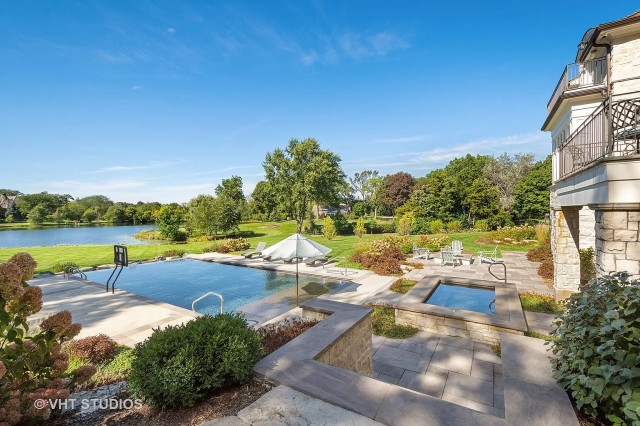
[
  {"x": 594, "y": 120},
  {"x": 7, "y": 201}
]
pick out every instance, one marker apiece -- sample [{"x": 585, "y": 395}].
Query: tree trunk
[{"x": 375, "y": 213}]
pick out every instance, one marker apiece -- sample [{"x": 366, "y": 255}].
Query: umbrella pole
[{"x": 296, "y": 282}]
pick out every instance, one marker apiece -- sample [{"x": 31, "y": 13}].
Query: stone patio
[
  {"x": 449, "y": 368},
  {"x": 520, "y": 271}
]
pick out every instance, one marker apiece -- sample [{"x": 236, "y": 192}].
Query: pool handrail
[
  {"x": 70, "y": 270},
  {"x": 211, "y": 293},
  {"x": 505, "y": 271}
]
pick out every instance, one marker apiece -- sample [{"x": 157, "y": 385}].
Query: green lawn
[{"x": 271, "y": 233}]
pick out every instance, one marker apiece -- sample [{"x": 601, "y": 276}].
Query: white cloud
[
  {"x": 358, "y": 45},
  {"x": 156, "y": 165},
  {"x": 171, "y": 30},
  {"x": 136, "y": 87}
]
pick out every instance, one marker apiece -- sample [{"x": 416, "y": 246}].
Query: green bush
[
  {"x": 598, "y": 349},
  {"x": 388, "y": 227},
  {"x": 454, "y": 226},
  {"x": 177, "y": 366},
  {"x": 59, "y": 267},
  {"x": 328, "y": 228},
  {"x": 404, "y": 224},
  {"x": 213, "y": 247},
  {"x": 343, "y": 226},
  {"x": 237, "y": 244},
  {"x": 436, "y": 226},
  {"x": 587, "y": 265},
  {"x": 539, "y": 303},
  {"x": 360, "y": 228},
  {"x": 421, "y": 225},
  {"x": 173, "y": 253},
  {"x": 482, "y": 225}
]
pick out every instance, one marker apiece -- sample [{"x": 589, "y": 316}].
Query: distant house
[
  {"x": 594, "y": 120},
  {"x": 7, "y": 201},
  {"x": 322, "y": 211}
]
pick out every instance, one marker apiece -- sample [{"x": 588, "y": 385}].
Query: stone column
[
  {"x": 565, "y": 240},
  {"x": 587, "y": 228},
  {"x": 617, "y": 242}
]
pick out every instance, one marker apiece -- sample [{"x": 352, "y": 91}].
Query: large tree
[
  {"x": 231, "y": 201},
  {"x": 204, "y": 213},
  {"x": 531, "y": 195},
  {"x": 49, "y": 202},
  {"x": 505, "y": 172},
  {"x": 396, "y": 189},
  {"x": 302, "y": 174},
  {"x": 361, "y": 183},
  {"x": 264, "y": 201}
]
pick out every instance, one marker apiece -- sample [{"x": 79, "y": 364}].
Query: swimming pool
[
  {"x": 263, "y": 294},
  {"x": 469, "y": 298}
]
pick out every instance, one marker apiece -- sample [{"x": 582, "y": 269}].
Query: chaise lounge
[
  {"x": 312, "y": 261},
  {"x": 258, "y": 251}
]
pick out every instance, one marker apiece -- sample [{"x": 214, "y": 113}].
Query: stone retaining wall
[
  {"x": 351, "y": 351},
  {"x": 484, "y": 333}
]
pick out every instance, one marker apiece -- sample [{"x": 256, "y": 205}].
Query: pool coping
[{"x": 508, "y": 314}]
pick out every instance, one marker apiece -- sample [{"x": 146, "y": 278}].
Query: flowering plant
[{"x": 32, "y": 364}]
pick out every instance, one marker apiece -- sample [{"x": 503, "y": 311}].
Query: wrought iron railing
[
  {"x": 579, "y": 75},
  {"x": 612, "y": 130}
]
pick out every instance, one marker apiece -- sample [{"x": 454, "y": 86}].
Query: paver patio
[{"x": 449, "y": 368}]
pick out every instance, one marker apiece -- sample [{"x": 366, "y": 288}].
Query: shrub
[
  {"x": 342, "y": 225},
  {"x": 9, "y": 219},
  {"x": 383, "y": 323},
  {"x": 360, "y": 229},
  {"x": 407, "y": 248},
  {"x": 95, "y": 349},
  {"x": 535, "y": 302},
  {"x": 545, "y": 270},
  {"x": 542, "y": 232},
  {"x": 436, "y": 226},
  {"x": 482, "y": 225},
  {"x": 213, "y": 247},
  {"x": 598, "y": 349},
  {"x": 388, "y": 242},
  {"x": 173, "y": 253},
  {"x": 373, "y": 227},
  {"x": 169, "y": 221},
  {"x": 512, "y": 235},
  {"x": 60, "y": 266},
  {"x": 385, "y": 263},
  {"x": 539, "y": 254},
  {"x": 328, "y": 228},
  {"x": 454, "y": 226},
  {"x": 275, "y": 336},
  {"x": 587, "y": 265},
  {"x": 32, "y": 365},
  {"x": 178, "y": 365},
  {"x": 237, "y": 244},
  {"x": 404, "y": 224},
  {"x": 402, "y": 286},
  {"x": 433, "y": 243},
  {"x": 223, "y": 249},
  {"x": 388, "y": 227},
  {"x": 421, "y": 225}
]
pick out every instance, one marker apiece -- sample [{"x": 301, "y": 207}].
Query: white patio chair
[
  {"x": 489, "y": 256},
  {"x": 448, "y": 258},
  {"x": 420, "y": 253},
  {"x": 456, "y": 247}
]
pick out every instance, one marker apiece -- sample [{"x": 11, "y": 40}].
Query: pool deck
[{"x": 126, "y": 317}]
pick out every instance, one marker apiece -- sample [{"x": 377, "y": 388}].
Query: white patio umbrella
[{"x": 296, "y": 246}]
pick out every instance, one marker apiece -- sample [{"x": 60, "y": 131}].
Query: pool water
[
  {"x": 475, "y": 299},
  {"x": 180, "y": 282}
]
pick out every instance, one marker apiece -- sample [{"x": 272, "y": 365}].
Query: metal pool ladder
[
  {"x": 505, "y": 271},
  {"x": 71, "y": 270},
  {"x": 211, "y": 293}
]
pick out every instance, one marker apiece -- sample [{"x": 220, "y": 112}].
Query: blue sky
[{"x": 142, "y": 100}]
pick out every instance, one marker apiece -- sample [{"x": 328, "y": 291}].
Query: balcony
[
  {"x": 612, "y": 130},
  {"x": 578, "y": 76}
]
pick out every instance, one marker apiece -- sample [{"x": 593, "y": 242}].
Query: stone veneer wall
[
  {"x": 587, "y": 228},
  {"x": 617, "y": 242},
  {"x": 353, "y": 350},
  {"x": 483, "y": 333},
  {"x": 565, "y": 226},
  {"x": 625, "y": 64}
]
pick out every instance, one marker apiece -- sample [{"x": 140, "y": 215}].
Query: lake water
[{"x": 72, "y": 236}]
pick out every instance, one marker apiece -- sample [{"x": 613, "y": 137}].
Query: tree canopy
[
  {"x": 304, "y": 173},
  {"x": 531, "y": 194}
]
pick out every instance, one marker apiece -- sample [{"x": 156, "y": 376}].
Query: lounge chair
[
  {"x": 311, "y": 261},
  {"x": 448, "y": 258},
  {"x": 258, "y": 251},
  {"x": 456, "y": 247},
  {"x": 420, "y": 253},
  {"x": 489, "y": 256}
]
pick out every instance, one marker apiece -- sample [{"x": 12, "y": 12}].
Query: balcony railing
[
  {"x": 579, "y": 75},
  {"x": 612, "y": 130}
]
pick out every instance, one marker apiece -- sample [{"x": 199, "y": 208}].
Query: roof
[{"x": 591, "y": 35}]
